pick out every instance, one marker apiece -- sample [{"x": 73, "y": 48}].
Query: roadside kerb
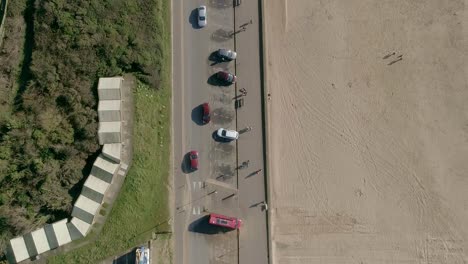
[{"x": 266, "y": 126}]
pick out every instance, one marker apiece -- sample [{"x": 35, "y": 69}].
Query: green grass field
[{"x": 142, "y": 206}]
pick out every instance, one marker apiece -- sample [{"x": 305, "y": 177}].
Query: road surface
[{"x": 195, "y": 241}]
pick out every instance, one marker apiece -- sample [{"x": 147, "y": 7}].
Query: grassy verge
[{"x": 142, "y": 206}]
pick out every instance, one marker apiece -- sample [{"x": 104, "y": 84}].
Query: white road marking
[
  {"x": 199, "y": 185},
  {"x": 196, "y": 210}
]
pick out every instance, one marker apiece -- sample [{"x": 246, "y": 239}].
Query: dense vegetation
[
  {"x": 142, "y": 205},
  {"x": 50, "y": 133}
]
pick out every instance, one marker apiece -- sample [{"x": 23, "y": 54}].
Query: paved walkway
[{"x": 253, "y": 240}]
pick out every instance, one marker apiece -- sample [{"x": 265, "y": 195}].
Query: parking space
[{"x": 195, "y": 84}]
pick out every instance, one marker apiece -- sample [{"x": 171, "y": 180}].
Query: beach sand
[{"x": 368, "y": 130}]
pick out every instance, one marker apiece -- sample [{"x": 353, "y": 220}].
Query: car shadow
[
  {"x": 215, "y": 59},
  {"x": 193, "y": 19},
  {"x": 215, "y": 81},
  {"x": 185, "y": 164},
  {"x": 201, "y": 225},
  {"x": 197, "y": 114}
]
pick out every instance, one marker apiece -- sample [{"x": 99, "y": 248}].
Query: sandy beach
[{"x": 368, "y": 130}]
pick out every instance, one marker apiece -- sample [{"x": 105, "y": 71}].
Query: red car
[
  {"x": 225, "y": 221},
  {"x": 193, "y": 156},
  {"x": 226, "y": 77},
  {"x": 206, "y": 113}
]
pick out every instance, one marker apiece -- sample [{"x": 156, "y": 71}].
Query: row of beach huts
[{"x": 107, "y": 166}]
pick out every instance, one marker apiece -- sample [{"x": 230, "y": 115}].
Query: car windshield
[
  {"x": 222, "y": 221},
  {"x": 193, "y": 156},
  {"x": 202, "y": 18},
  {"x": 224, "y": 132}
]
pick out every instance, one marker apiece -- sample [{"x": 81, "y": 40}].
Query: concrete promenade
[{"x": 253, "y": 239}]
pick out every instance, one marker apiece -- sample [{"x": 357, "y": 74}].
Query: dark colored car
[
  {"x": 226, "y": 77},
  {"x": 193, "y": 156},
  {"x": 206, "y": 118}
]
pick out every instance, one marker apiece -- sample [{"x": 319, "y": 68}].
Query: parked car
[
  {"x": 227, "y": 134},
  {"x": 226, "y": 54},
  {"x": 225, "y": 221},
  {"x": 226, "y": 76},
  {"x": 206, "y": 118},
  {"x": 202, "y": 16},
  {"x": 193, "y": 156}
]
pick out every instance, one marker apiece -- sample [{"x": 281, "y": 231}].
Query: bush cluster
[{"x": 51, "y": 133}]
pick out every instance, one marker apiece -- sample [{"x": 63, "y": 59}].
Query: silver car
[
  {"x": 226, "y": 54},
  {"x": 227, "y": 134},
  {"x": 202, "y": 16}
]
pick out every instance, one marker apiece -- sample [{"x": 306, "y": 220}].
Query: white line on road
[{"x": 196, "y": 210}]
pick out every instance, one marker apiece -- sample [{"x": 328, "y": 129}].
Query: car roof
[
  {"x": 202, "y": 10},
  {"x": 223, "y": 51},
  {"x": 222, "y": 216},
  {"x": 231, "y": 133}
]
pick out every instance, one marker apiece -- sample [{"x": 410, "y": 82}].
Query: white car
[
  {"x": 227, "y": 134},
  {"x": 202, "y": 16}
]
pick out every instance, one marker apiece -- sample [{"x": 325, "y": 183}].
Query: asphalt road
[{"x": 195, "y": 241}]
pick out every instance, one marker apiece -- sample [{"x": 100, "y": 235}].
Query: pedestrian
[{"x": 258, "y": 171}]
